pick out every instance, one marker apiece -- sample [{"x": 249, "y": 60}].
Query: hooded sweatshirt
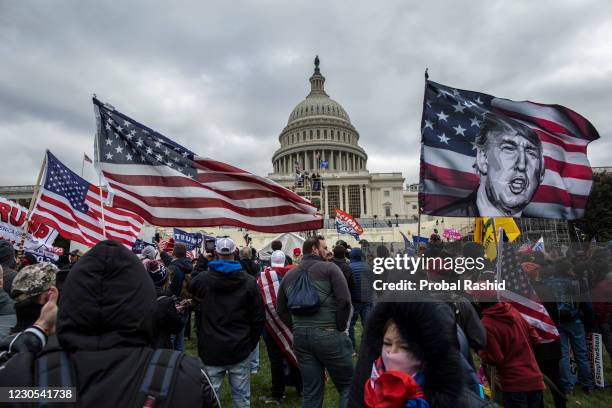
[
  {"x": 509, "y": 348},
  {"x": 106, "y": 324},
  {"x": 231, "y": 312}
]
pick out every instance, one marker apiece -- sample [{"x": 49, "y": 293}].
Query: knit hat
[
  {"x": 156, "y": 270},
  {"x": 297, "y": 251},
  {"x": 277, "y": 258},
  {"x": 33, "y": 280},
  {"x": 149, "y": 252}
]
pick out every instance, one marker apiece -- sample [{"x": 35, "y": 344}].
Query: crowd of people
[{"x": 112, "y": 324}]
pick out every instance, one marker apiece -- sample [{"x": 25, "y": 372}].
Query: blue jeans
[
  {"x": 573, "y": 332},
  {"x": 254, "y": 358},
  {"x": 178, "y": 340},
  {"x": 239, "y": 379},
  {"x": 359, "y": 309},
  {"x": 318, "y": 349}
]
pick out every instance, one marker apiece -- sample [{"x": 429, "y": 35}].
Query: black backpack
[
  {"x": 55, "y": 370},
  {"x": 303, "y": 299}
]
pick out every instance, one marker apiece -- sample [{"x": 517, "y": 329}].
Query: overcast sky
[{"x": 222, "y": 78}]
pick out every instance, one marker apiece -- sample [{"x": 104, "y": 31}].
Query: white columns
[
  {"x": 341, "y": 190},
  {"x": 354, "y": 167},
  {"x": 361, "y": 189},
  {"x": 369, "y": 201},
  {"x": 326, "y": 205}
]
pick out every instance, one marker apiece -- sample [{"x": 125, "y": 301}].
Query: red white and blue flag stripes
[
  {"x": 450, "y": 125},
  {"x": 170, "y": 186},
  {"x": 74, "y": 207}
]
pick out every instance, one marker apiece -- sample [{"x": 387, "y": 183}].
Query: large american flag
[
  {"x": 450, "y": 125},
  {"x": 521, "y": 294},
  {"x": 73, "y": 206},
  {"x": 169, "y": 185}
]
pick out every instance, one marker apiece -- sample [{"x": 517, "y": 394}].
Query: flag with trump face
[
  {"x": 170, "y": 186},
  {"x": 493, "y": 157}
]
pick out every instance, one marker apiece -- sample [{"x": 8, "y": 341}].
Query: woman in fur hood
[{"x": 410, "y": 358}]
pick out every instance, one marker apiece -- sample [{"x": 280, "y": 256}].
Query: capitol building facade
[{"x": 319, "y": 140}]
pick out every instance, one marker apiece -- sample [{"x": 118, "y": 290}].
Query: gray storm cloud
[{"x": 222, "y": 79}]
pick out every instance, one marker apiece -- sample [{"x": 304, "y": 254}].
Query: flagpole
[
  {"x": 421, "y": 162},
  {"x": 499, "y": 247},
  {"x": 102, "y": 206},
  {"x": 82, "y": 166},
  {"x": 26, "y": 225}
]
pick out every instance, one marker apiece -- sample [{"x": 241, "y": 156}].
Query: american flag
[
  {"x": 169, "y": 185},
  {"x": 269, "y": 282},
  {"x": 450, "y": 125},
  {"x": 73, "y": 206},
  {"x": 521, "y": 294}
]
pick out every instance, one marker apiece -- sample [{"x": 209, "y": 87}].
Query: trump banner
[
  {"x": 192, "y": 240},
  {"x": 40, "y": 237},
  {"x": 346, "y": 224},
  {"x": 492, "y": 157}
]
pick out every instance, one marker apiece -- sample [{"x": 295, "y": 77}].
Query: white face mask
[{"x": 402, "y": 361}]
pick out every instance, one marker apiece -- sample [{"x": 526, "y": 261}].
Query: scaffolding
[
  {"x": 304, "y": 188},
  {"x": 555, "y": 232}
]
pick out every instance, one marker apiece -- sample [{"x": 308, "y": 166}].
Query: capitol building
[{"x": 319, "y": 139}]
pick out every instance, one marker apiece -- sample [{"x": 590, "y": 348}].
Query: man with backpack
[
  {"x": 314, "y": 300},
  {"x": 232, "y": 318},
  {"x": 179, "y": 269},
  {"x": 105, "y": 331},
  {"x": 572, "y": 318}
]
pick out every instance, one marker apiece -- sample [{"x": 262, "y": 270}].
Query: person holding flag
[{"x": 277, "y": 336}]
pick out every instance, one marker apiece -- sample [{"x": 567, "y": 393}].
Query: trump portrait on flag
[
  {"x": 510, "y": 164},
  {"x": 483, "y": 156}
]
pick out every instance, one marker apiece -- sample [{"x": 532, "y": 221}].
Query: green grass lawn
[{"x": 261, "y": 385}]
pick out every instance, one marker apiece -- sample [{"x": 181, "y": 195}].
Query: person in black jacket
[
  {"x": 428, "y": 331},
  {"x": 8, "y": 263},
  {"x": 232, "y": 318},
  {"x": 105, "y": 332},
  {"x": 246, "y": 259},
  {"x": 179, "y": 269},
  {"x": 167, "y": 318},
  {"x": 340, "y": 260}
]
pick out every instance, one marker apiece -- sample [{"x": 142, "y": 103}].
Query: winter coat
[
  {"x": 509, "y": 348},
  {"x": 105, "y": 323},
  {"x": 250, "y": 267},
  {"x": 331, "y": 286},
  {"x": 430, "y": 326},
  {"x": 603, "y": 310},
  {"x": 362, "y": 273},
  {"x": 167, "y": 319},
  {"x": 6, "y": 304},
  {"x": 346, "y": 271},
  {"x": 179, "y": 268},
  {"x": 8, "y": 275},
  {"x": 231, "y": 312}
]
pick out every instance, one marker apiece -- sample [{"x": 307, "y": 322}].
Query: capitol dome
[
  {"x": 318, "y": 105},
  {"x": 319, "y": 136}
]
